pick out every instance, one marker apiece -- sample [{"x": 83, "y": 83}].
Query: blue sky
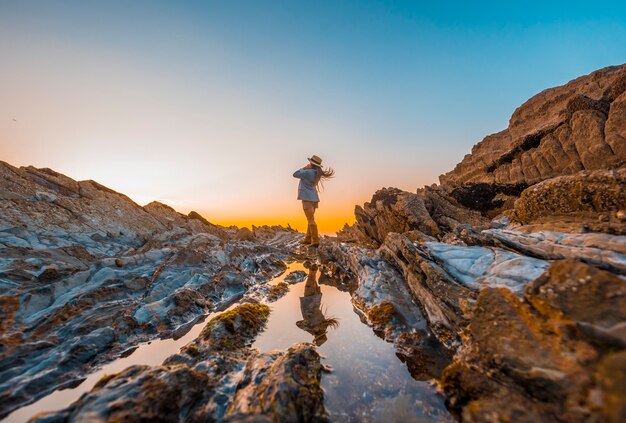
[{"x": 178, "y": 101}]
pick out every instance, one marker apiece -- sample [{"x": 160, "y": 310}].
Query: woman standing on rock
[{"x": 310, "y": 180}]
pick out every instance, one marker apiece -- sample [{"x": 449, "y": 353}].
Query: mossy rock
[
  {"x": 233, "y": 329},
  {"x": 277, "y": 291},
  {"x": 192, "y": 350}
]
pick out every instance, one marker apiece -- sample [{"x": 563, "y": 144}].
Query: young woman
[{"x": 310, "y": 180}]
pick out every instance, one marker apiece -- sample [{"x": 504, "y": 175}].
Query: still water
[{"x": 367, "y": 382}]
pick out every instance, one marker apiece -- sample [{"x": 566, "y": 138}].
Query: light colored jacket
[{"x": 307, "y": 189}]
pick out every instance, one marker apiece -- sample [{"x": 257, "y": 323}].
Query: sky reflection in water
[{"x": 368, "y": 381}]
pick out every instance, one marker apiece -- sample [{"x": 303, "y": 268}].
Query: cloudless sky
[{"x": 212, "y": 105}]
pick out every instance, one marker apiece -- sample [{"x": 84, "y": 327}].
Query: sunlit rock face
[
  {"x": 560, "y": 131},
  {"x": 580, "y": 126},
  {"x": 429, "y": 214},
  {"x": 516, "y": 262},
  {"x": 85, "y": 274}
]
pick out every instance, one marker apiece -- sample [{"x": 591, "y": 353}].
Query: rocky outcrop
[
  {"x": 429, "y": 214},
  {"x": 385, "y": 301},
  {"x": 544, "y": 358},
  {"x": 86, "y": 274},
  {"x": 601, "y": 250},
  {"x": 531, "y": 303},
  {"x": 217, "y": 377},
  {"x": 560, "y": 131}
]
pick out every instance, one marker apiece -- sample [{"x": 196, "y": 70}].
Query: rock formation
[
  {"x": 560, "y": 131},
  {"x": 86, "y": 274},
  {"x": 517, "y": 261},
  {"x": 506, "y": 284},
  {"x": 214, "y": 378}
]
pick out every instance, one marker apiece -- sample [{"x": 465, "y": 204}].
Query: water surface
[{"x": 368, "y": 382}]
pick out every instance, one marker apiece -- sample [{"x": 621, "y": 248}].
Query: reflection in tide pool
[{"x": 368, "y": 381}]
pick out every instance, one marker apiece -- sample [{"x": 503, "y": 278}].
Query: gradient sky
[{"x": 211, "y": 106}]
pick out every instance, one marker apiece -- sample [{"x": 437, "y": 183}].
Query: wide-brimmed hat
[{"x": 315, "y": 160}]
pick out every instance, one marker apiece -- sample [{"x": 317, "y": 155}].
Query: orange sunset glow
[{"x": 211, "y": 107}]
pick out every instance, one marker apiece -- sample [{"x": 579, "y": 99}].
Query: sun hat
[{"x": 315, "y": 160}]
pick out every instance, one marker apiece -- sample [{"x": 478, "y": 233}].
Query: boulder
[{"x": 593, "y": 198}]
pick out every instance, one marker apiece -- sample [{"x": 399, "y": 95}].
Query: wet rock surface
[
  {"x": 217, "y": 377},
  {"x": 85, "y": 274}
]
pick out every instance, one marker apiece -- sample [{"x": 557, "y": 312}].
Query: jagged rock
[
  {"x": 560, "y": 131},
  {"x": 281, "y": 387},
  {"x": 438, "y": 295},
  {"x": 387, "y": 304},
  {"x": 91, "y": 259},
  {"x": 277, "y": 291},
  {"x": 533, "y": 352},
  {"x": 429, "y": 214},
  {"x": 217, "y": 377},
  {"x": 245, "y": 234},
  {"x": 296, "y": 276},
  {"x": 584, "y": 294},
  {"x": 209, "y": 227},
  {"x": 557, "y": 175}
]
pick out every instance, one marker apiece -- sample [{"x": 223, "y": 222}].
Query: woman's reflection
[{"x": 313, "y": 319}]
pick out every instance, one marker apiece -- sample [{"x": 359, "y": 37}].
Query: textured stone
[
  {"x": 535, "y": 351},
  {"x": 427, "y": 214},
  {"x": 584, "y": 195},
  {"x": 577, "y": 126},
  {"x": 91, "y": 274},
  {"x": 216, "y": 377}
]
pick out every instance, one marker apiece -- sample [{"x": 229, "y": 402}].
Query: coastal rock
[
  {"x": 538, "y": 351},
  {"x": 593, "y": 198},
  {"x": 296, "y": 276},
  {"x": 599, "y": 249},
  {"x": 428, "y": 214},
  {"x": 215, "y": 377},
  {"x": 388, "y": 305},
  {"x": 88, "y": 274},
  {"x": 477, "y": 267},
  {"x": 559, "y": 131}
]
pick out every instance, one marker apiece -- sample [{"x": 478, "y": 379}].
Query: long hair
[{"x": 321, "y": 174}]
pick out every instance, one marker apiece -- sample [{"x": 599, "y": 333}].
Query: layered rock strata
[
  {"x": 517, "y": 261},
  {"x": 579, "y": 126},
  {"x": 560, "y": 131},
  {"x": 86, "y": 274}
]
